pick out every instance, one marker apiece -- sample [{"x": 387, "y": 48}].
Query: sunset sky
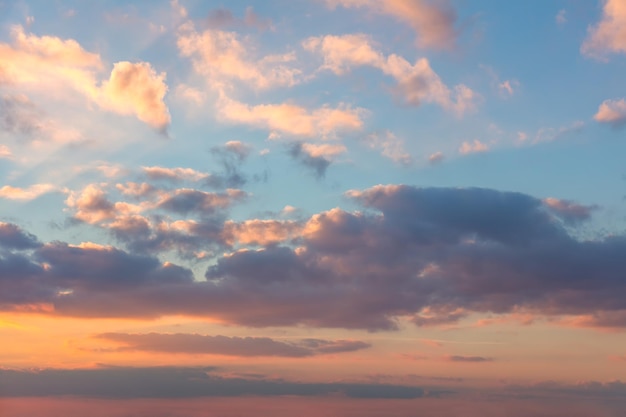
[{"x": 313, "y": 208}]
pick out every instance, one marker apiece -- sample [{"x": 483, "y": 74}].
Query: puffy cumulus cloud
[
  {"x": 13, "y": 237},
  {"x": 93, "y": 268},
  {"x": 92, "y": 205},
  {"x": 145, "y": 226},
  {"x": 260, "y": 232},
  {"x": 135, "y": 88},
  {"x": 48, "y": 62},
  {"x": 473, "y": 147},
  {"x": 612, "y": 112},
  {"x": 432, "y": 20},
  {"x": 224, "y": 57},
  {"x": 291, "y": 119},
  {"x": 417, "y": 83},
  {"x": 608, "y": 35},
  {"x": 430, "y": 255},
  {"x": 390, "y": 146},
  {"x": 230, "y": 346}
]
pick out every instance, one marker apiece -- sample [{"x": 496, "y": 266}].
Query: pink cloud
[
  {"x": 433, "y": 21},
  {"x": 612, "y": 112},
  {"x": 608, "y": 35}
]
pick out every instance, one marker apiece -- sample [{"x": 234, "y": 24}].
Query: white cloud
[{"x": 390, "y": 145}]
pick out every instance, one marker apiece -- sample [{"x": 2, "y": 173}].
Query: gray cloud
[
  {"x": 470, "y": 359},
  {"x": 434, "y": 254},
  {"x": 171, "y": 382},
  {"x": 13, "y": 237},
  {"x": 318, "y": 164},
  {"x": 230, "y": 346}
]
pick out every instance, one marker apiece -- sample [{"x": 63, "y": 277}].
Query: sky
[{"x": 313, "y": 207}]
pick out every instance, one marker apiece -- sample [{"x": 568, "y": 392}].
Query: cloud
[
  {"x": 612, "y": 112},
  {"x": 561, "y": 17},
  {"x": 569, "y": 211},
  {"x": 230, "y": 346},
  {"x": 415, "y": 83},
  {"x": 135, "y": 88},
  {"x": 224, "y": 57},
  {"x": 177, "y": 382},
  {"x": 508, "y": 87},
  {"x": 473, "y": 147},
  {"x": 391, "y": 146},
  {"x": 24, "y": 119},
  {"x": 433, "y": 21},
  {"x": 174, "y": 174},
  {"x": 13, "y": 237},
  {"x": 220, "y": 18},
  {"x": 291, "y": 119},
  {"x": 30, "y": 193},
  {"x": 467, "y": 359},
  {"x": 436, "y": 157},
  {"x": 427, "y": 255},
  {"x": 5, "y": 152},
  {"x": 260, "y": 232},
  {"x": 609, "y": 35},
  {"x": 49, "y": 62},
  {"x": 317, "y": 162},
  {"x": 185, "y": 201}
]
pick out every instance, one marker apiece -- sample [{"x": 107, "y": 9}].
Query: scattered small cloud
[
  {"x": 436, "y": 158},
  {"x": 473, "y": 147},
  {"x": 561, "y": 17},
  {"x": 612, "y": 112}
]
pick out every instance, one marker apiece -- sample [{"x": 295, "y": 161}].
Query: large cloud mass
[{"x": 433, "y": 255}]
